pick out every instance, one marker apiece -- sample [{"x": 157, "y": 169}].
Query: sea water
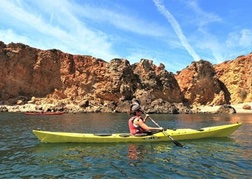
[{"x": 22, "y": 155}]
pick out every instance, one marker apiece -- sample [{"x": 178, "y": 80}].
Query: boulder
[
  {"x": 246, "y": 107},
  {"x": 226, "y": 109}
]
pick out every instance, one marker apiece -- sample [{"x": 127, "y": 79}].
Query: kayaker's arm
[
  {"x": 146, "y": 117},
  {"x": 147, "y": 128}
]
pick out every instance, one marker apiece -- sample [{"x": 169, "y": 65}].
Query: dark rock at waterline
[{"x": 226, "y": 109}]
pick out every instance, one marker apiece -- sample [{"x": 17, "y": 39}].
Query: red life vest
[{"x": 134, "y": 129}]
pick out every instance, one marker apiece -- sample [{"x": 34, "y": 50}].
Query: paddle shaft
[{"x": 167, "y": 135}]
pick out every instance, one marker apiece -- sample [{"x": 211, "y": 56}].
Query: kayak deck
[{"x": 178, "y": 134}]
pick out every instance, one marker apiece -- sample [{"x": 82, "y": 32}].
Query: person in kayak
[{"x": 137, "y": 122}]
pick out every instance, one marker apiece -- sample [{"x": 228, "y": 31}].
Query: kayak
[
  {"x": 177, "y": 134},
  {"x": 44, "y": 113}
]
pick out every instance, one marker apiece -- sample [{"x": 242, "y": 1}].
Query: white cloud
[
  {"x": 111, "y": 29},
  {"x": 212, "y": 47},
  {"x": 72, "y": 35},
  {"x": 246, "y": 38},
  {"x": 62, "y": 25},
  {"x": 239, "y": 38},
  {"x": 203, "y": 18},
  {"x": 120, "y": 19},
  {"x": 175, "y": 25},
  {"x": 8, "y": 35}
]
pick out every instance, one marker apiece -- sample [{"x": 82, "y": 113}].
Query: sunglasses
[{"x": 139, "y": 110}]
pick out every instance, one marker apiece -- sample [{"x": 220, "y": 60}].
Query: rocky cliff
[
  {"x": 53, "y": 77},
  {"x": 200, "y": 85},
  {"x": 30, "y": 75},
  {"x": 227, "y": 83},
  {"x": 236, "y": 75}
]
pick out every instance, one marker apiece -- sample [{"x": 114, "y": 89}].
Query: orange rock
[
  {"x": 52, "y": 76},
  {"x": 246, "y": 107}
]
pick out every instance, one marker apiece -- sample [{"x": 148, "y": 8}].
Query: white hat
[{"x": 136, "y": 107}]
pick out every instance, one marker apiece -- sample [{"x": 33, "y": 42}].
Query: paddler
[{"x": 137, "y": 124}]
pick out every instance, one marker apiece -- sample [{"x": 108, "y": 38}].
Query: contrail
[{"x": 176, "y": 27}]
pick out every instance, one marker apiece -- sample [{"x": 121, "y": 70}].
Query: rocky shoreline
[
  {"x": 240, "y": 108},
  {"x": 50, "y": 80},
  {"x": 230, "y": 109}
]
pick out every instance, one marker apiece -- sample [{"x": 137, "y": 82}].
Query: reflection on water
[
  {"x": 136, "y": 152},
  {"x": 23, "y": 156}
]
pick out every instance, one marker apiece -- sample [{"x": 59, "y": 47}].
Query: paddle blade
[{"x": 177, "y": 143}]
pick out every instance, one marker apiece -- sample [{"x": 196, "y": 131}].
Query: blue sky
[{"x": 172, "y": 32}]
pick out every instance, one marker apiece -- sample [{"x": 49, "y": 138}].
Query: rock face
[
  {"x": 85, "y": 83},
  {"x": 157, "y": 88},
  {"x": 64, "y": 79},
  {"x": 27, "y": 71},
  {"x": 200, "y": 85},
  {"x": 237, "y": 77},
  {"x": 227, "y": 83}
]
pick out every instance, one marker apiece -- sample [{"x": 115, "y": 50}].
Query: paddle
[{"x": 167, "y": 135}]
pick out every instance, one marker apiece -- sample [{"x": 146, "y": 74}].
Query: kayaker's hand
[{"x": 161, "y": 129}]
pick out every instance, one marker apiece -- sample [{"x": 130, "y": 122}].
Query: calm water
[{"x": 23, "y": 156}]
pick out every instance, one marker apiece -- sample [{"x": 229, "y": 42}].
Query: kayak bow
[{"x": 178, "y": 134}]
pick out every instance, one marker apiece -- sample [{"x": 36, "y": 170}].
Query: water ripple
[{"x": 23, "y": 156}]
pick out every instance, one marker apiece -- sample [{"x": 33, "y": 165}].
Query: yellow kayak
[{"x": 178, "y": 134}]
